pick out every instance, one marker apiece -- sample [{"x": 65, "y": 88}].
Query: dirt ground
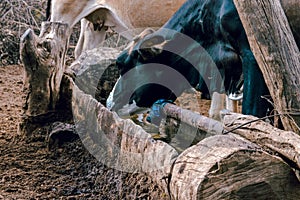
[{"x": 28, "y": 170}]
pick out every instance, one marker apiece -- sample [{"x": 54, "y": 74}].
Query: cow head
[{"x": 158, "y": 65}]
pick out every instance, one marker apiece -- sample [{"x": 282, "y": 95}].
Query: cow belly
[
  {"x": 154, "y": 13},
  {"x": 132, "y": 14}
]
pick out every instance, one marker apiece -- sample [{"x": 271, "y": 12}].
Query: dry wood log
[
  {"x": 291, "y": 8},
  {"x": 276, "y": 52},
  {"x": 228, "y": 167},
  {"x": 43, "y": 58},
  {"x": 96, "y": 72},
  {"x": 118, "y": 143},
  {"x": 286, "y": 144},
  {"x": 194, "y": 119},
  {"x": 219, "y": 167},
  {"x": 183, "y": 128}
]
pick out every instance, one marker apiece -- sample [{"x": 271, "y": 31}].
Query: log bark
[
  {"x": 228, "y": 167},
  {"x": 118, "y": 143},
  {"x": 43, "y": 58},
  {"x": 276, "y": 52},
  {"x": 285, "y": 144},
  {"x": 194, "y": 119},
  {"x": 183, "y": 128},
  {"x": 96, "y": 72}
]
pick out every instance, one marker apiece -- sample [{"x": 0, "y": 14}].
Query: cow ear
[
  {"x": 152, "y": 47},
  {"x": 137, "y": 38}
]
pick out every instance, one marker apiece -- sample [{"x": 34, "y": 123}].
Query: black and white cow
[{"x": 203, "y": 45}]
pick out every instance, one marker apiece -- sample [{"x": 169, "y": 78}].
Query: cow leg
[
  {"x": 231, "y": 105},
  {"x": 217, "y": 104},
  {"x": 220, "y": 102},
  {"x": 254, "y": 87},
  {"x": 79, "y": 45},
  {"x": 93, "y": 38},
  {"x": 88, "y": 39}
]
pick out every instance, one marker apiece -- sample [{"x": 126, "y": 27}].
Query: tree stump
[
  {"x": 43, "y": 58},
  {"x": 229, "y": 167}
]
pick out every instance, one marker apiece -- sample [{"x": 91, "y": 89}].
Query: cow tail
[{"x": 48, "y": 10}]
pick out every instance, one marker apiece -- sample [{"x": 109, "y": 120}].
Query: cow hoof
[
  {"x": 61, "y": 133},
  {"x": 235, "y": 96}
]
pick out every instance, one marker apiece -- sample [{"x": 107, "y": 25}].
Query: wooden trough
[
  {"x": 223, "y": 166},
  {"x": 241, "y": 158}
]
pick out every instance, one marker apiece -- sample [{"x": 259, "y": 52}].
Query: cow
[
  {"x": 213, "y": 25},
  {"x": 120, "y": 15},
  {"x": 101, "y": 14}
]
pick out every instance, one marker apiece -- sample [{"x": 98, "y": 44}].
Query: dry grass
[{"x": 16, "y": 16}]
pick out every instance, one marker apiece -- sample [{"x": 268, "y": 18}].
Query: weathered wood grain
[
  {"x": 43, "y": 58},
  {"x": 279, "y": 142},
  {"x": 228, "y": 167},
  {"x": 119, "y": 143},
  {"x": 193, "y": 119}
]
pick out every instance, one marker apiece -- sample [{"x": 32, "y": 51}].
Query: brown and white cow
[{"x": 120, "y": 15}]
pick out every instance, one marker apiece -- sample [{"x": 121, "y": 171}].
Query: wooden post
[
  {"x": 276, "y": 52},
  {"x": 43, "y": 58}
]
